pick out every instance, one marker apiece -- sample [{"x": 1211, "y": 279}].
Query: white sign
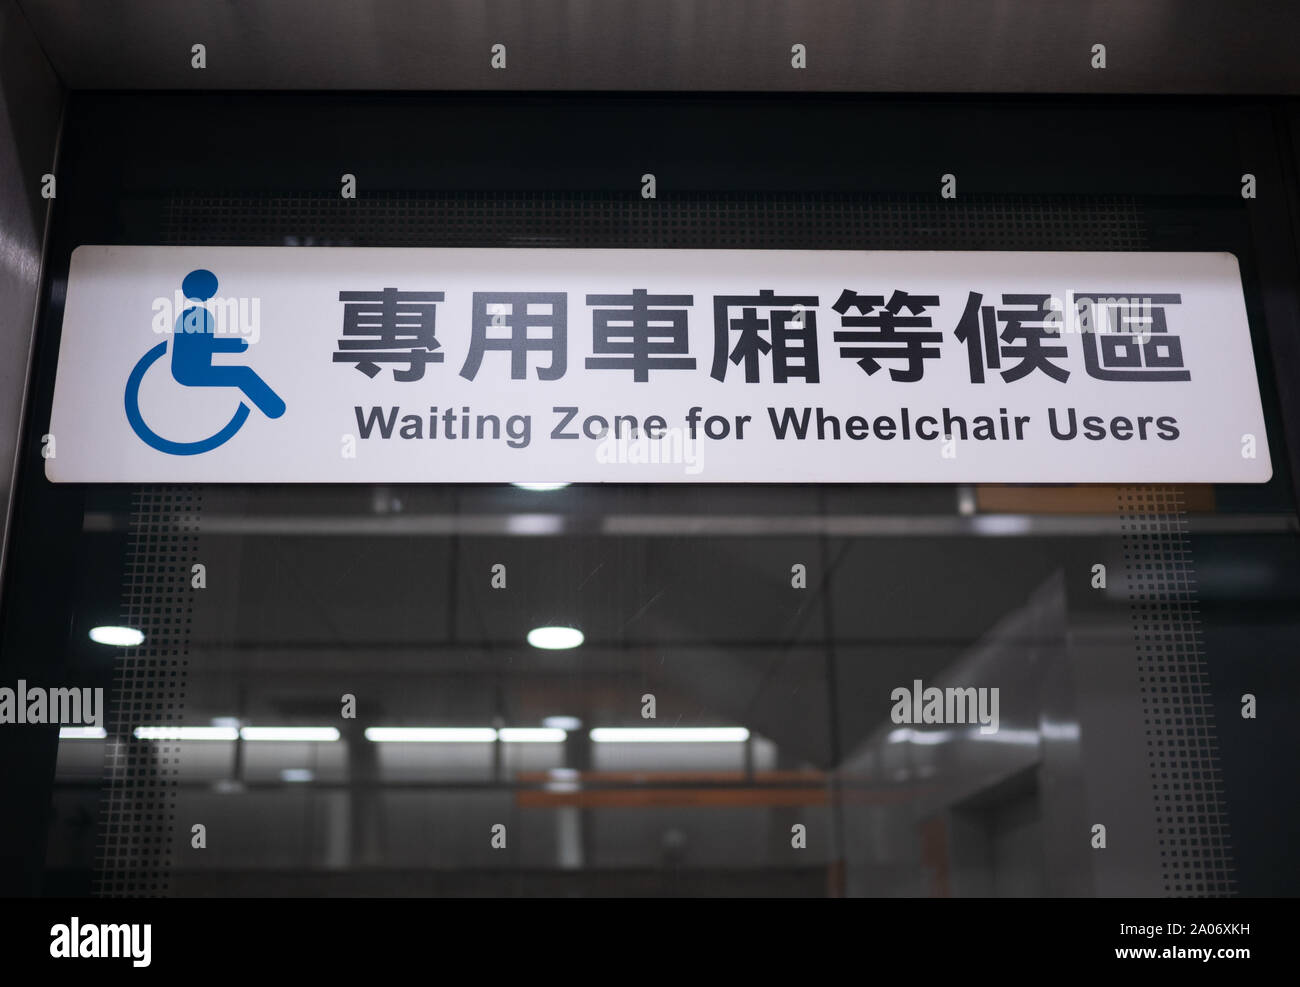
[{"x": 368, "y": 365}]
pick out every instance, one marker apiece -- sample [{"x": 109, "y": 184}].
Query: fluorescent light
[
  {"x": 1026, "y": 738},
  {"x": 540, "y": 487},
  {"x": 297, "y": 775},
  {"x": 1060, "y": 731},
  {"x": 534, "y": 524},
  {"x": 906, "y": 735},
  {"x": 185, "y": 733},
  {"x": 118, "y": 637},
  {"x": 431, "y": 735},
  {"x": 324, "y": 734},
  {"x": 531, "y": 735},
  {"x": 1000, "y": 524},
  {"x": 555, "y": 638},
  {"x": 464, "y": 735},
  {"x": 670, "y": 735},
  {"x": 82, "y": 733},
  {"x": 966, "y": 502},
  {"x": 226, "y": 721},
  {"x": 562, "y": 723}
]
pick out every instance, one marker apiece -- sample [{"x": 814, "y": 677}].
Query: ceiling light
[
  {"x": 82, "y": 733},
  {"x": 118, "y": 637},
  {"x": 672, "y": 735},
  {"x": 464, "y": 735},
  {"x": 906, "y": 735},
  {"x": 531, "y": 735},
  {"x": 185, "y": 733},
  {"x": 324, "y": 734},
  {"x": 555, "y": 638},
  {"x": 562, "y": 723},
  {"x": 431, "y": 735}
]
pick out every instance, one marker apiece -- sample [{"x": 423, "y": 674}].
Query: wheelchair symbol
[{"x": 193, "y": 344}]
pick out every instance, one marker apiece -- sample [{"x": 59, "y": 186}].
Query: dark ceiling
[{"x": 992, "y": 46}]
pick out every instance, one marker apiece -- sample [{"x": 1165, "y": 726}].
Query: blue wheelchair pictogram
[{"x": 194, "y": 342}]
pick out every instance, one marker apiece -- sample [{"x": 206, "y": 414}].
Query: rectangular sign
[{"x": 378, "y": 365}]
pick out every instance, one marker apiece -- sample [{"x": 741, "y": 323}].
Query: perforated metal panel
[{"x": 718, "y": 220}]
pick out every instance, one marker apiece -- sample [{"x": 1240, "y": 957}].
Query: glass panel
[{"x": 1089, "y": 648}]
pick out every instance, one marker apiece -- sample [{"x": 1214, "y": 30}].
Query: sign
[{"x": 370, "y": 365}]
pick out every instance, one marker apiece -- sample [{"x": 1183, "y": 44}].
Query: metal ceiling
[{"x": 992, "y": 46}]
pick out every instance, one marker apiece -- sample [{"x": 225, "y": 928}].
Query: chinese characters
[{"x": 770, "y": 336}]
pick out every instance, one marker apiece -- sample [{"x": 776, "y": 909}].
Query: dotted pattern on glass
[
  {"x": 138, "y": 808},
  {"x": 1182, "y": 746}
]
